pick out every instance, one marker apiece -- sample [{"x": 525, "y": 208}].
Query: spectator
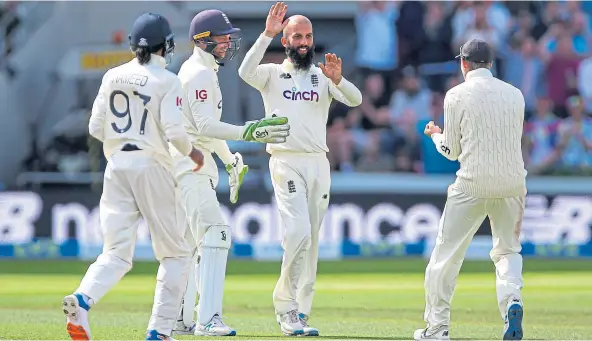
[
  {"x": 576, "y": 138},
  {"x": 410, "y": 19},
  {"x": 410, "y": 103},
  {"x": 523, "y": 27},
  {"x": 368, "y": 120},
  {"x": 483, "y": 20},
  {"x": 524, "y": 70},
  {"x": 585, "y": 83},
  {"x": 339, "y": 138},
  {"x": 540, "y": 139},
  {"x": 561, "y": 70},
  {"x": 551, "y": 15},
  {"x": 436, "y": 39},
  {"x": 374, "y": 56}
]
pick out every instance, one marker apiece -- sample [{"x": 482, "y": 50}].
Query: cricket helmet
[{"x": 209, "y": 23}]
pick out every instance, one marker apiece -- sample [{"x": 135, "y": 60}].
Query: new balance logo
[
  {"x": 291, "y": 187},
  {"x": 212, "y": 184},
  {"x": 445, "y": 333},
  {"x": 445, "y": 149},
  {"x": 325, "y": 196},
  {"x": 223, "y": 235},
  {"x": 285, "y": 76}
]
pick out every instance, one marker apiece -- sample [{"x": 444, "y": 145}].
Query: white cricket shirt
[
  {"x": 202, "y": 105},
  {"x": 141, "y": 105},
  {"x": 303, "y": 96},
  {"x": 483, "y": 120}
]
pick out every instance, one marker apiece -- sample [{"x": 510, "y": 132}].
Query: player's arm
[
  {"x": 99, "y": 111},
  {"x": 339, "y": 88},
  {"x": 171, "y": 119},
  {"x": 448, "y": 142},
  {"x": 199, "y": 91},
  {"x": 250, "y": 71},
  {"x": 266, "y": 130},
  {"x": 345, "y": 92}
]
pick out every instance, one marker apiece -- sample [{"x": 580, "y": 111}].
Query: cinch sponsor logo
[{"x": 301, "y": 95}]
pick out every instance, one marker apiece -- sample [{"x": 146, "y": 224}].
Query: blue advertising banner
[{"x": 64, "y": 222}]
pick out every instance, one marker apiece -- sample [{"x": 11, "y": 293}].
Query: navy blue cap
[
  {"x": 476, "y": 51},
  {"x": 150, "y": 30},
  {"x": 211, "y": 22}
]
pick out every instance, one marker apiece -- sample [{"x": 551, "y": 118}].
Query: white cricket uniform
[
  {"x": 136, "y": 110},
  {"x": 483, "y": 119},
  {"x": 299, "y": 168},
  {"x": 203, "y": 103}
]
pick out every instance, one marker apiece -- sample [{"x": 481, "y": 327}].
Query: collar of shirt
[
  {"x": 479, "y": 73},
  {"x": 155, "y": 60},
  {"x": 205, "y": 58}
]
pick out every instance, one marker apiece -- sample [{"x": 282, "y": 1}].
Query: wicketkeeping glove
[
  {"x": 267, "y": 130},
  {"x": 236, "y": 171}
]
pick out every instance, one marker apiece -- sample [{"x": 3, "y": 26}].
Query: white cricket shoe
[
  {"x": 182, "y": 329},
  {"x": 308, "y": 330},
  {"x": 76, "y": 311},
  {"x": 216, "y": 327},
  {"x": 437, "y": 335},
  {"x": 291, "y": 324}
]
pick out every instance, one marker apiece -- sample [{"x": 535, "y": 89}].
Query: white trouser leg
[
  {"x": 157, "y": 198},
  {"x": 120, "y": 217},
  {"x": 204, "y": 214},
  {"x": 291, "y": 196},
  {"x": 506, "y": 217},
  {"x": 319, "y": 184},
  {"x": 460, "y": 220},
  {"x": 187, "y": 311}
]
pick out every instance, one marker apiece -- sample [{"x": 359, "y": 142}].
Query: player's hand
[
  {"x": 431, "y": 129},
  {"x": 275, "y": 22},
  {"x": 267, "y": 130},
  {"x": 198, "y": 158},
  {"x": 332, "y": 67},
  {"x": 236, "y": 173}
]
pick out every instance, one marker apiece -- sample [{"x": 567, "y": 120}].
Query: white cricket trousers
[
  {"x": 462, "y": 216},
  {"x": 301, "y": 182},
  {"x": 202, "y": 209},
  {"x": 136, "y": 185}
]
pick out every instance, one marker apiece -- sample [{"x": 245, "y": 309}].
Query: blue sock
[{"x": 83, "y": 301}]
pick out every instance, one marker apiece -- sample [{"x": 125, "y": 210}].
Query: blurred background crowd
[
  {"x": 403, "y": 61},
  {"x": 542, "y": 48}
]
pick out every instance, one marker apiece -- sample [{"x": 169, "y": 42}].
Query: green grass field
[{"x": 357, "y": 300}]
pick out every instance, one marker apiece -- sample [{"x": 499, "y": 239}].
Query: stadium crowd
[
  {"x": 542, "y": 48},
  {"x": 405, "y": 64}
]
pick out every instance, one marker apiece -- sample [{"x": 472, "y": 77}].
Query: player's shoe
[
  {"x": 292, "y": 325},
  {"x": 440, "y": 334},
  {"x": 182, "y": 329},
  {"x": 311, "y": 331},
  {"x": 216, "y": 327},
  {"x": 513, "y": 321},
  {"x": 153, "y": 335},
  {"x": 76, "y": 311}
]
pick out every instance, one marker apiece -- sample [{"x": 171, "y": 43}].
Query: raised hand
[
  {"x": 332, "y": 68},
  {"x": 275, "y": 22}
]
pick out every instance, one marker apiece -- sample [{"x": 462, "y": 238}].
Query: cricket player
[
  {"x": 483, "y": 119},
  {"x": 137, "y": 109},
  {"x": 215, "y": 40},
  {"x": 299, "y": 167}
]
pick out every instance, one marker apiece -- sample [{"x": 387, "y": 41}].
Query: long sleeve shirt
[
  {"x": 141, "y": 105},
  {"x": 303, "y": 96},
  {"x": 483, "y": 121},
  {"x": 202, "y": 109}
]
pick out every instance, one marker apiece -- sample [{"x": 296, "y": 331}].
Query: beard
[{"x": 301, "y": 62}]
